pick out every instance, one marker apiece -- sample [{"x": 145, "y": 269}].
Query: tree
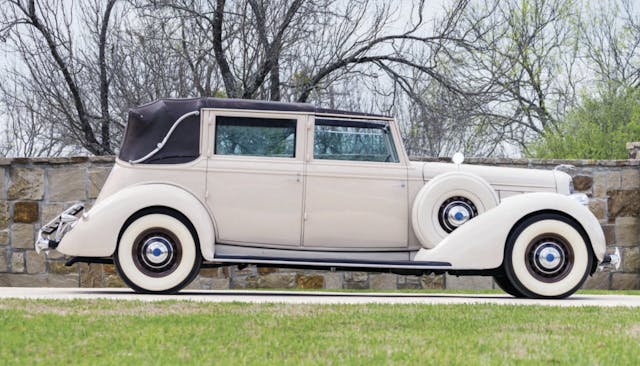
[
  {"x": 63, "y": 85},
  {"x": 599, "y": 128}
]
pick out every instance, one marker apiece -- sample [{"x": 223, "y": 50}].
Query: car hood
[{"x": 503, "y": 178}]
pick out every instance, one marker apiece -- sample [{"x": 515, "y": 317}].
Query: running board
[{"x": 365, "y": 265}]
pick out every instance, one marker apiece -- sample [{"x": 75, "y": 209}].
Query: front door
[
  {"x": 255, "y": 177},
  {"x": 356, "y": 189}
]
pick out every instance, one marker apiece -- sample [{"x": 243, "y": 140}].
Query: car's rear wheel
[
  {"x": 158, "y": 253},
  {"x": 547, "y": 256}
]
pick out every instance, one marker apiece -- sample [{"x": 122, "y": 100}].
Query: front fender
[
  {"x": 480, "y": 243},
  {"x": 96, "y": 232}
]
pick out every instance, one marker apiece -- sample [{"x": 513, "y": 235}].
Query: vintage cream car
[{"x": 215, "y": 182}]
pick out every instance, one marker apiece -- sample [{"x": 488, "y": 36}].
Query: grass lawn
[{"x": 123, "y": 332}]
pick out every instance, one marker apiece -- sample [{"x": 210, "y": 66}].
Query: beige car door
[
  {"x": 356, "y": 186},
  {"x": 254, "y": 177}
]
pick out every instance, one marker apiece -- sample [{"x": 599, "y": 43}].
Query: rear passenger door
[{"x": 254, "y": 177}]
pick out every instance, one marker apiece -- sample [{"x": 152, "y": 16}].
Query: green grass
[{"x": 97, "y": 332}]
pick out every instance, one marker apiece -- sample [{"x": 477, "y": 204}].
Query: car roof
[
  {"x": 250, "y": 104},
  {"x": 148, "y": 124}
]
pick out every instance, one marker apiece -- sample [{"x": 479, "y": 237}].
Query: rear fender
[
  {"x": 96, "y": 232},
  {"x": 480, "y": 243}
]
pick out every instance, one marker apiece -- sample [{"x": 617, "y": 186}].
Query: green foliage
[{"x": 597, "y": 129}]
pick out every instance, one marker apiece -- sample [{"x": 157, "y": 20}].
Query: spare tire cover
[{"x": 433, "y": 198}]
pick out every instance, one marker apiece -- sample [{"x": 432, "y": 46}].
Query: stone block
[
  {"x": 609, "y": 234},
  {"x": 630, "y": 259},
  {"x": 627, "y": 229},
  {"x": 26, "y": 212},
  {"x": 113, "y": 280},
  {"x": 599, "y": 208},
  {"x": 333, "y": 280},
  {"x": 4, "y": 237},
  {"x": 22, "y": 280},
  {"x": 219, "y": 283},
  {"x": 199, "y": 283},
  {"x": 50, "y": 211},
  {"x": 22, "y": 236},
  {"x": 277, "y": 280},
  {"x": 599, "y": 185},
  {"x": 409, "y": 283},
  {"x": 60, "y": 268},
  {"x": 356, "y": 280},
  {"x": 310, "y": 281},
  {"x": 383, "y": 281},
  {"x": 35, "y": 262},
  {"x": 599, "y": 281},
  {"x": 97, "y": 177},
  {"x": 62, "y": 280},
  {"x": 625, "y": 281},
  {"x": 582, "y": 182},
  {"x": 630, "y": 178},
  {"x": 17, "y": 262},
  {"x": 26, "y": 184},
  {"x": 468, "y": 282},
  {"x": 624, "y": 203},
  {"x": 613, "y": 180},
  {"x": 67, "y": 184},
  {"x": 5, "y": 216},
  {"x": 267, "y": 270},
  {"x": 111, "y": 277},
  {"x": 91, "y": 274},
  {"x": 432, "y": 281},
  {"x": 3, "y": 260},
  {"x": 54, "y": 254},
  {"x": 209, "y": 272}
]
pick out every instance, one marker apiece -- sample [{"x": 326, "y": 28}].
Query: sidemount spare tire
[{"x": 448, "y": 201}]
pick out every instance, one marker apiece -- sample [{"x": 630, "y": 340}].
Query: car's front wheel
[
  {"x": 158, "y": 253},
  {"x": 547, "y": 257}
]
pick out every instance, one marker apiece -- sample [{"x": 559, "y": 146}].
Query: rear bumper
[{"x": 49, "y": 236}]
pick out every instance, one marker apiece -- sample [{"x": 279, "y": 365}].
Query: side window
[
  {"x": 250, "y": 136},
  {"x": 353, "y": 140}
]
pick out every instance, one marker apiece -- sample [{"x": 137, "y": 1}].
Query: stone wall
[{"x": 33, "y": 191}]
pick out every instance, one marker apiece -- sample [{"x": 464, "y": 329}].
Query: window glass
[
  {"x": 255, "y": 136},
  {"x": 353, "y": 140}
]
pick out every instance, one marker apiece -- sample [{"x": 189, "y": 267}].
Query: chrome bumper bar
[
  {"x": 50, "y": 235},
  {"x": 610, "y": 262}
]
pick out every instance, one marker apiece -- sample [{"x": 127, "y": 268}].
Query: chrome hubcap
[
  {"x": 157, "y": 252},
  {"x": 550, "y": 259},
  {"x": 454, "y": 212}
]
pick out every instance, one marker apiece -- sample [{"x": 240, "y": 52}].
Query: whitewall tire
[
  {"x": 547, "y": 256},
  {"x": 157, "y": 253},
  {"x": 447, "y": 202}
]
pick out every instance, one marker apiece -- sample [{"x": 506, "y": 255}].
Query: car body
[{"x": 215, "y": 182}]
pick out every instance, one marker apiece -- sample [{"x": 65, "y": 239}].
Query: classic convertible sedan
[{"x": 218, "y": 182}]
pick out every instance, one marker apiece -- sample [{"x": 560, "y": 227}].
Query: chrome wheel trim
[
  {"x": 455, "y": 212},
  {"x": 156, "y": 252},
  {"x": 549, "y": 258}
]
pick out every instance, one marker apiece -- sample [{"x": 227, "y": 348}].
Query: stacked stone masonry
[{"x": 34, "y": 191}]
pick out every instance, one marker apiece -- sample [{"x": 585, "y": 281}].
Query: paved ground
[{"x": 324, "y": 297}]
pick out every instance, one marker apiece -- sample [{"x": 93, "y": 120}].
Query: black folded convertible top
[{"x": 149, "y": 124}]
